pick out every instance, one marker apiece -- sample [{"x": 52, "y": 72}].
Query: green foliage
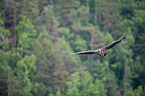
[
  {"x": 1, "y": 21},
  {"x": 67, "y": 7},
  {"x": 67, "y": 34},
  {"x": 8, "y": 79},
  {"x": 25, "y": 70},
  {"x": 43, "y": 62},
  {"x": 81, "y": 84},
  {"x": 111, "y": 80},
  {"x": 136, "y": 92},
  {"x": 26, "y": 34},
  {"x": 49, "y": 21},
  {"x": 80, "y": 44},
  {"x": 43, "y": 31},
  {"x": 59, "y": 93},
  {"x": 4, "y": 34},
  {"x": 4, "y": 73},
  {"x": 28, "y": 8},
  {"x": 63, "y": 64}
]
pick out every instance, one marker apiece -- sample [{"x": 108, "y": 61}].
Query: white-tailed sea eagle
[{"x": 101, "y": 51}]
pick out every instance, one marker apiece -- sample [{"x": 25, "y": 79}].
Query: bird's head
[{"x": 98, "y": 50}]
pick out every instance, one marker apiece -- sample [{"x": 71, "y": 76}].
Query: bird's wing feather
[
  {"x": 109, "y": 46},
  {"x": 83, "y": 52}
]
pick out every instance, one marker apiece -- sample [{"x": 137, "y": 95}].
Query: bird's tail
[{"x": 103, "y": 54}]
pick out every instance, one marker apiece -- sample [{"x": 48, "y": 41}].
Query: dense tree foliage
[{"x": 33, "y": 34}]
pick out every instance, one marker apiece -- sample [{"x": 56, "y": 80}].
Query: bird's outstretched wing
[
  {"x": 83, "y": 52},
  {"x": 109, "y": 46}
]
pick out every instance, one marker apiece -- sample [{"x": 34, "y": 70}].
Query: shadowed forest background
[{"x": 33, "y": 34}]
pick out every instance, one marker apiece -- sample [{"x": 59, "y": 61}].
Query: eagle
[{"x": 100, "y": 51}]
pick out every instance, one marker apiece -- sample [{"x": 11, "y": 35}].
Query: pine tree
[
  {"x": 139, "y": 33},
  {"x": 63, "y": 64},
  {"x": 49, "y": 21},
  {"x": 4, "y": 65},
  {"x": 26, "y": 34},
  {"x": 4, "y": 36},
  {"x": 3, "y": 74},
  {"x": 67, "y": 7},
  {"x": 29, "y": 9},
  {"x": 10, "y": 84},
  {"x": 44, "y": 62},
  {"x": 112, "y": 21},
  {"x": 81, "y": 84},
  {"x": 112, "y": 87},
  {"x": 25, "y": 70}
]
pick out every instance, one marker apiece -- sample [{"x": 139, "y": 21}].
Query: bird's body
[{"x": 101, "y": 51}]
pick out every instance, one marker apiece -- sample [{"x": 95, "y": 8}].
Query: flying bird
[{"x": 100, "y": 51}]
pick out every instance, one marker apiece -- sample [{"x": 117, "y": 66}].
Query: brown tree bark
[
  {"x": 15, "y": 37},
  {"x": 9, "y": 83},
  {"x": 126, "y": 76}
]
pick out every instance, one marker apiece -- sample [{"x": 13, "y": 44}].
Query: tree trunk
[
  {"x": 50, "y": 2},
  {"x": 104, "y": 18},
  {"x": 126, "y": 77},
  {"x": 15, "y": 37},
  {"x": 92, "y": 41},
  {"x": 8, "y": 83}
]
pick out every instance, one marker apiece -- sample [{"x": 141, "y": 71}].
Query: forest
[{"x": 33, "y": 34}]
